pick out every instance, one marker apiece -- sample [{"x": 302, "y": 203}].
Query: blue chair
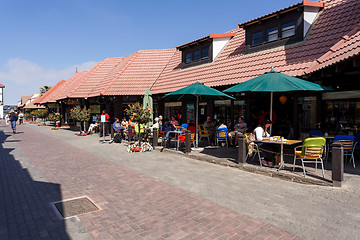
[
  {"x": 221, "y": 136},
  {"x": 184, "y": 127},
  {"x": 316, "y": 133},
  {"x": 347, "y": 142}
]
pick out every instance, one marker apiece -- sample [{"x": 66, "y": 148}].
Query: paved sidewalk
[
  {"x": 106, "y": 174},
  {"x": 133, "y": 205}
]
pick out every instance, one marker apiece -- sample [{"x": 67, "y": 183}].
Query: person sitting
[
  {"x": 174, "y": 121},
  {"x": 261, "y": 134},
  {"x": 117, "y": 126},
  {"x": 239, "y": 129},
  {"x": 124, "y": 122},
  {"x": 156, "y": 124},
  {"x": 165, "y": 129},
  {"x": 210, "y": 129}
]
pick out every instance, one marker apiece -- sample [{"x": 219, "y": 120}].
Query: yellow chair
[
  {"x": 311, "y": 151},
  {"x": 203, "y": 134}
]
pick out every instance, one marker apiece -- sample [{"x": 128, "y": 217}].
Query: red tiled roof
[
  {"x": 2, "y": 86},
  {"x": 47, "y": 96},
  {"x": 232, "y": 66},
  {"x": 214, "y": 35},
  {"x": 140, "y": 73},
  {"x": 31, "y": 105},
  {"x": 274, "y": 14},
  {"x": 129, "y": 75},
  {"x": 24, "y": 100},
  {"x": 69, "y": 85},
  {"x": 347, "y": 47}
]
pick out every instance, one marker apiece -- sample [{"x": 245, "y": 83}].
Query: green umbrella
[
  {"x": 148, "y": 102},
  {"x": 197, "y": 91},
  {"x": 274, "y": 82}
]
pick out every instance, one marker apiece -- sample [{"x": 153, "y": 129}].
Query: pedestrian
[
  {"x": 105, "y": 124},
  {"x": 13, "y": 119},
  {"x": 21, "y": 118},
  {"x": 7, "y": 118}
]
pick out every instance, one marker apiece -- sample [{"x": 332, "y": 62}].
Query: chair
[
  {"x": 311, "y": 151},
  {"x": 255, "y": 151},
  {"x": 316, "y": 133},
  {"x": 182, "y": 139},
  {"x": 184, "y": 127},
  {"x": 203, "y": 134},
  {"x": 221, "y": 136},
  {"x": 192, "y": 129},
  {"x": 347, "y": 141}
]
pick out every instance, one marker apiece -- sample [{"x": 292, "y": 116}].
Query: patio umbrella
[
  {"x": 197, "y": 92},
  {"x": 274, "y": 82},
  {"x": 148, "y": 102}
]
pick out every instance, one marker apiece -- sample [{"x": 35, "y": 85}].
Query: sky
[{"x": 43, "y": 42}]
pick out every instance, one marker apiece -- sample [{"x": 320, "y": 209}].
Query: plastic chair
[
  {"x": 221, "y": 135},
  {"x": 311, "y": 151},
  {"x": 347, "y": 141},
  {"x": 184, "y": 127},
  {"x": 203, "y": 134},
  {"x": 316, "y": 133},
  {"x": 192, "y": 129},
  {"x": 182, "y": 139}
]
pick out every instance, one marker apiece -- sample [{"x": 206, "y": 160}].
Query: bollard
[
  {"x": 242, "y": 150},
  {"x": 112, "y": 132},
  {"x": 155, "y": 138},
  {"x": 337, "y": 164},
  {"x": 130, "y": 133},
  {"x": 187, "y": 141}
]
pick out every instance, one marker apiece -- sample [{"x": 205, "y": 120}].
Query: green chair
[{"x": 311, "y": 151}]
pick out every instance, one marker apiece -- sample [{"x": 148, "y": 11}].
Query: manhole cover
[{"x": 69, "y": 208}]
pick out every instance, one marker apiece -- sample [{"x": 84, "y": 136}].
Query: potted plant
[
  {"x": 81, "y": 115},
  {"x": 55, "y": 117}
]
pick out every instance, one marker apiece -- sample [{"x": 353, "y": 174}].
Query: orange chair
[{"x": 203, "y": 134}]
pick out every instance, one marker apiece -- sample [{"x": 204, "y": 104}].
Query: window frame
[
  {"x": 293, "y": 27},
  {"x": 260, "y": 37},
  {"x": 268, "y": 30}
]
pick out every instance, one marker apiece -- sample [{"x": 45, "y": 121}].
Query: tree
[
  {"x": 41, "y": 113},
  {"x": 44, "y": 89},
  {"x": 54, "y": 117},
  {"x": 138, "y": 114},
  {"x": 81, "y": 115}
]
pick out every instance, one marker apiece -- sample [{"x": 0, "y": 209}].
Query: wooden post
[
  {"x": 337, "y": 164},
  {"x": 155, "y": 139},
  {"x": 188, "y": 142},
  {"x": 242, "y": 150}
]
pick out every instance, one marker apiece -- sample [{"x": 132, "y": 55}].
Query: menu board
[{"x": 190, "y": 112}]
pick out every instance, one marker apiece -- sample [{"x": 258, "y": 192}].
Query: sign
[
  {"x": 103, "y": 119},
  {"x": 190, "y": 112},
  {"x": 202, "y": 111}
]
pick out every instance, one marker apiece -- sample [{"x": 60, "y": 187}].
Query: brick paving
[{"x": 133, "y": 205}]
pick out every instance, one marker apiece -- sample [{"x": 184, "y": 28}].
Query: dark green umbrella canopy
[
  {"x": 197, "y": 90},
  {"x": 274, "y": 82}
]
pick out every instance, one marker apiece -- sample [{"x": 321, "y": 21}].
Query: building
[{"x": 2, "y": 101}]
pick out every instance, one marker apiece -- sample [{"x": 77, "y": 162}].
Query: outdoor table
[{"x": 282, "y": 143}]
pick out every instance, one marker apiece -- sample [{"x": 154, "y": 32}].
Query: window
[
  {"x": 288, "y": 30},
  {"x": 272, "y": 34},
  {"x": 257, "y": 38},
  {"x": 196, "y": 55},
  {"x": 205, "y": 53},
  {"x": 188, "y": 57}
]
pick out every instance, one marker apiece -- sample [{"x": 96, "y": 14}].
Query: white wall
[
  {"x": 310, "y": 14},
  {"x": 218, "y": 45}
]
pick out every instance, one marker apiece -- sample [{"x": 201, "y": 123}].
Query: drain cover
[{"x": 73, "y": 207}]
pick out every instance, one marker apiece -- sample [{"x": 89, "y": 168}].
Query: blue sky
[{"x": 45, "y": 41}]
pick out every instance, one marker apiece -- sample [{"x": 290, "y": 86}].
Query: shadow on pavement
[{"x": 26, "y": 212}]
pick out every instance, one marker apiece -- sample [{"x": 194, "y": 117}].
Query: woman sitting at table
[
  {"x": 174, "y": 121},
  {"x": 261, "y": 134}
]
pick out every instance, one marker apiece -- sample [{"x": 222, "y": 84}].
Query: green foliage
[
  {"x": 41, "y": 113},
  {"x": 54, "y": 117},
  {"x": 81, "y": 115},
  {"x": 44, "y": 89},
  {"x": 138, "y": 114}
]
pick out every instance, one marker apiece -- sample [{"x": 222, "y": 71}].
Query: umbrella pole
[
  {"x": 271, "y": 109},
  {"x": 197, "y": 121}
]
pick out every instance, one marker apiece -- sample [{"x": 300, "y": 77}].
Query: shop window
[{"x": 288, "y": 30}]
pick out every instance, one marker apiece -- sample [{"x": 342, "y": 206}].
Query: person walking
[
  {"x": 21, "y": 118},
  {"x": 7, "y": 118},
  {"x": 13, "y": 119},
  {"x": 106, "y": 123}
]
